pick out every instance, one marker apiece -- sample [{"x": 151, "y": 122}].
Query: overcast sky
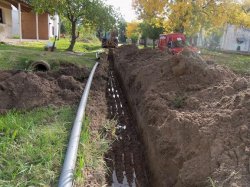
[{"x": 125, "y": 7}]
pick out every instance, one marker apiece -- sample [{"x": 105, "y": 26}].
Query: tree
[
  {"x": 133, "y": 31},
  {"x": 144, "y": 32},
  {"x": 78, "y": 12},
  {"x": 191, "y": 16},
  {"x": 122, "y": 24},
  {"x": 150, "y": 30},
  {"x": 102, "y": 17}
]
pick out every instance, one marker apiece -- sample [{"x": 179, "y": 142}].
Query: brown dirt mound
[
  {"x": 194, "y": 117},
  {"x": 26, "y": 90}
]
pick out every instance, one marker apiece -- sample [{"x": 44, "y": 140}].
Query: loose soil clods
[
  {"x": 26, "y": 90},
  {"x": 194, "y": 117}
]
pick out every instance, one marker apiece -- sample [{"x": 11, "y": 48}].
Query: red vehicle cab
[{"x": 175, "y": 42}]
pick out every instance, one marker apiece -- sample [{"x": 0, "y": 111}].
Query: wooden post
[
  {"x": 20, "y": 21},
  {"x": 37, "y": 27}
]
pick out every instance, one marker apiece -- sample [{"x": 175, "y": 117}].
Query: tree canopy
[
  {"x": 133, "y": 31},
  {"x": 93, "y": 13},
  {"x": 150, "y": 30},
  {"x": 190, "y": 16}
]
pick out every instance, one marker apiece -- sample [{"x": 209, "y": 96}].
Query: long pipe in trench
[{"x": 67, "y": 173}]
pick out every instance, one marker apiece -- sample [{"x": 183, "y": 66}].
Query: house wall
[
  {"x": 53, "y": 25},
  {"x": 43, "y": 27},
  {"x": 229, "y": 39},
  {"x": 29, "y": 26},
  {"x": 15, "y": 22},
  {"x": 10, "y": 27},
  {"x": 6, "y": 27}
]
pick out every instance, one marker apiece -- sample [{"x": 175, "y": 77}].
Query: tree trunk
[
  {"x": 153, "y": 43},
  {"x": 145, "y": 42},
  {"x": 73, "y": 36}
]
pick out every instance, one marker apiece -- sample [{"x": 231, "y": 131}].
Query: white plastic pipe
[{"x": 67, "y": 174}]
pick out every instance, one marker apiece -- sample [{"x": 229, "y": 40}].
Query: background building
[{"x": 33, "y": 26}]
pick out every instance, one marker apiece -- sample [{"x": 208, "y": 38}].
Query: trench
[{"x": 126, "y": 159}]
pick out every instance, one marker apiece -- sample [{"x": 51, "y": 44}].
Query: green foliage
[
  {"x": 191, "y": 16},
  {"x": 65, "y": 26},
  {"x": 91, "y": 13},
  {"x": 101, "y": 16},
  {"x": 134, "y": 37},
  {"x": 150, "y": 30},
  {"x": 179, "y": 101},
  {"x": 122, "y": 30},
  {"x": 132, "y": 31}
]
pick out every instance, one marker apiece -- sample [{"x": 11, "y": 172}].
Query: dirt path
[{"x": 126, "y": 157}]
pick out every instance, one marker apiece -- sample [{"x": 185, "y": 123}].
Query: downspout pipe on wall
[
  {"x": 20, "y": 21},
  {"x": 37, "y": 27},
  {"x": 67, "y": 173}
]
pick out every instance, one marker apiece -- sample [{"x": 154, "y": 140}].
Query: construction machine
[
  {"x": 110, "y": 39},
  {"x": 175, "y": 43}
]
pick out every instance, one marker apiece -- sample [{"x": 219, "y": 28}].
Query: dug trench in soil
[
  {"x": 126, "y": 159},
  {"x": 194, "y": 117}
]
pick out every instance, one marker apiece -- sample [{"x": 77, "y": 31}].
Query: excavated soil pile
[
  {"x": 194, "y": 117},
  {"x": 26, "y": 90}
]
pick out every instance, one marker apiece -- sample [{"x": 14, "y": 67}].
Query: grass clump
[
  {"x": 32, "y": 146},
  {"x": 211, "y": 182},
  {"x": 93, "y": 146},
  {"x": 179, "y": 101}
]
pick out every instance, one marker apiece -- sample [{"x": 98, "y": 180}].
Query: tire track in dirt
[{"x": 125, "y": 159}]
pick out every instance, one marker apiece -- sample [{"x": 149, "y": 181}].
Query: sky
[{"x": 125, "y": 7}]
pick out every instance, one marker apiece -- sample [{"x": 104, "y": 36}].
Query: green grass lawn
[
  {"x": 238, "y": 63},
  {"x": 63, "y": 43},
  {"x": 20, "y": 56},
  {"x": 32, "y": 145}
]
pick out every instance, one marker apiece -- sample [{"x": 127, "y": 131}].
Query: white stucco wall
[
  {"x": 6, "y": 27},
  {"x": 15, "y": 22},
  {"x": 53, "y": 22},
  {"x": 229, "y": 39}
]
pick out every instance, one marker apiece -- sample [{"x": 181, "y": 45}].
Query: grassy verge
[
  {"x": 33, "y": 145},
  {"x": 20, "y": 55},
  {"x": 238, "y": 63},
  {"x": 63, "y": 44},
  {"x": 91, "y": 168}
]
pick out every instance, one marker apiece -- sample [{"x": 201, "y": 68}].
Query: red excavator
[{"x": 175, "y": 43}]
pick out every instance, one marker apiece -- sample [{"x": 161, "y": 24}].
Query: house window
[{"x": 1, "y": 16}]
